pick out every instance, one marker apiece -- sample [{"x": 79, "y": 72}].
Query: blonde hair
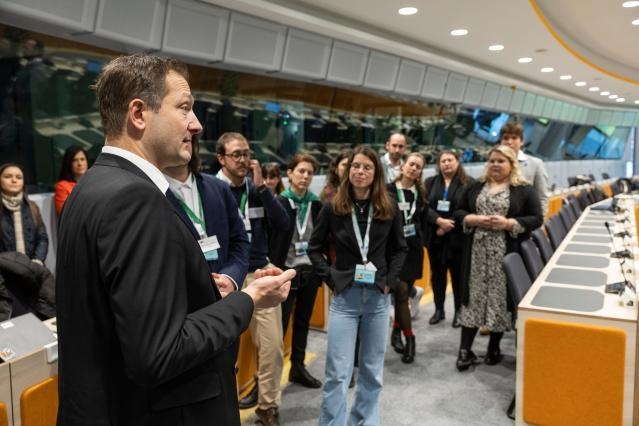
[{"x": 516, "y": 178}]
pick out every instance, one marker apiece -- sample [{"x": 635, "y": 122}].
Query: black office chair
[
  {"x": 574, "y": 205},
  {"x": 556, "y": 231},
  {"x": 567, "y": 217},
  {"x": 546, "y": 250},
  {"x": 605, "y": 175},
  {"x": 518, "y": 283},
  {"x": 572, "y": 180},
  {"x": 532, "y": 258}
]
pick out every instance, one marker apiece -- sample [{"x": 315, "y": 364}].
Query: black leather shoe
[
  {"x": 409, "y": 350},
  {"x": 465, "y": 359},
  {"x": 396, "y": 341},
  {"x": 456, "y": 323},
  {"x": 438, "y": 316},
  {"x": 250, "y": 400},
  {"x": 300, "y": 375},
  {"x": 493, "y": 358}
]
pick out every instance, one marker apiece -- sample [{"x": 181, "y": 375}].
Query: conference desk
[{"x": 576, "y": 344}]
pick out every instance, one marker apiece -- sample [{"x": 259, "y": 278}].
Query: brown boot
[{"x": 268, "y": 417}]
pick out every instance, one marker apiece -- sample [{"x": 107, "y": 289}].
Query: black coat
[
  {"x": 387, "y": 249},
  {"x": 144, "y": 336},
  {"x": 524, "y": 207},
  {"x": 414, "y": 263}
]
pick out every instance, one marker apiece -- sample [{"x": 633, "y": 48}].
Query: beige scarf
[{"x": 13, "y": 204}]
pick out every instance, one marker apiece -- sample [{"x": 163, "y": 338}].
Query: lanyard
[
  {"x": 301, "y": 228},
  {"x": 445, "y": 194},
  {"x": 244, "y": 205},
  {"x": 199, "y": 220},
  {"x": 363, "y": 245},
  {"x": 400, "y": 195}
]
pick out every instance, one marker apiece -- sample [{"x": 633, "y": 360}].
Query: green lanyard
[
  {"x": 191, "y": 214},
  {"x": 243, "y": 200},
  {"x": 413, "y": 206}
]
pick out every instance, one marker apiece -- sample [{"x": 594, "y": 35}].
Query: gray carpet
[{"x": 428, "y": 392}]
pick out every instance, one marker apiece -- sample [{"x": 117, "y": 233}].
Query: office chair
[
  {"x": 518, "y": 283},
  {"x": 532, "y": 258},
  {"x": 567, "y": 217},
  {"x": 546, "y": 250},
  {"x": 556, "y": 230}
]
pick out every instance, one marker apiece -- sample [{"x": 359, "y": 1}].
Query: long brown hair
[
  {"x": 380, "y": 200},
  {"x": 419, "y": 183},
  {"x": 460, "y": 173}
]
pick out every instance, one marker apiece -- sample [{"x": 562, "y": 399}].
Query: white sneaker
[{"x": 414, "y": 302}]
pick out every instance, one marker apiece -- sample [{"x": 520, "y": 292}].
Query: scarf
[
  {"x": 14, "y": 204},
  {"x": 303, "y": 202}
]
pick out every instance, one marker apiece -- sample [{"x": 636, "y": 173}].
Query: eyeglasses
[
  {"x": 366, "y": 167},
  {"x": 238, "y": 155}
]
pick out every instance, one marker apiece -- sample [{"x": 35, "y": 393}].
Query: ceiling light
[
  {"x": 637, "y": 101},
  {"x": 604, "y": 93},
  {"x": 407, "y": 11},
  {"x": 580, "y": 83},
  {"x": 613, "y": 97},
  {"x": 565, "y": 77},
  {"x": 524, "y": 60},
  {"x": 594, "y": 89},
  {"x": 495, "y": 47},
  {"x": 635, "y": 22},
  {"x": 633, "y": 3},
  {"x": 459, "y": 32},
  {"x": 620, "y": 100},
  {"x": 547, "y": 69}
]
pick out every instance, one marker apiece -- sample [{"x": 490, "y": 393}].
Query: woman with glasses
[
  {"x": 288, "y": 249},
  {"x": 370, "y": 249},
  {"x": 272, "y": 177},
  {"x": 408, "y": 190}
]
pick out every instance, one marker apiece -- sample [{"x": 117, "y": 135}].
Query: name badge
[
  {"x": 365, "y": 274},
  {"x": 256, "y": 212},
  {"x": 404, "y": 206},
  {"x": 210, "y": 246},
  {"x": 443, "y": 206},
  {"x": 409, "y": 230},
  {"x": 247, "y": 224},
  {"x": 300, "y": 248}
]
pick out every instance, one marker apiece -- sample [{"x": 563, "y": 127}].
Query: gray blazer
[{"x": 533, "y": 170}]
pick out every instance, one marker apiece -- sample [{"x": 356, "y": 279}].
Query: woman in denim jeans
[{"x": 370, "y": 250}]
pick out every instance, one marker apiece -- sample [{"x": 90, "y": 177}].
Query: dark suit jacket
[
  {"x": 144, "y": 337},
  {"x": 524, "y": 207},
  {"x": 387, "y": 249},
  {"x": 222, "y": 219}
]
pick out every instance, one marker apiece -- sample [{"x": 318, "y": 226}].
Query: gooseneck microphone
[
  {"x": 617, "y": 253},
  {"x": 618, "y": 287}
]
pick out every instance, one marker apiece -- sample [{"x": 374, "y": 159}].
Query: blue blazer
[{"x": 222, "y": 219}]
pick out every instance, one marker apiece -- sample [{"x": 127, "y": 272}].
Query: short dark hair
[
  {"x": 512, "y": 128},
  {"x": 137, "y": 76},
  {"x": 67, "y": 161},
  {"x": 226, "y": 138}
]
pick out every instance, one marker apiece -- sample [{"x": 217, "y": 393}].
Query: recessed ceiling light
[
  {"x": 580, "y": 83},
  {"x": 547, "y": 69},
  {"x": 407, "y": 11},
  {"x": 620, "y": 100},
  {"x": 613, "y": 97},
  {"x": 565, "y": 77},
  {"x": 495, "y": 47},
  {"x": 604, "y": 93},
  {"x": 594, "y": 89},
  {"x": 524, "y": 60},
  {"x": 459, "y": 32},
  {"x": 633, "y": 3},
  {"x": 637, "y": 101},
  {"x": 635, "y": 22}
]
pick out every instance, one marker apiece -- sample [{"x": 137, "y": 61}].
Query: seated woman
[
  {"x": 498, "y": 211},
  {"x": 74, "y": 165},
  {"x": 23, "y": 238}
]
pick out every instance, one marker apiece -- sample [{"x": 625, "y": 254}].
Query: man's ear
[{"x": 137, "y": 110}]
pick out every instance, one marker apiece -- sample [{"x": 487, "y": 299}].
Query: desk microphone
[
  {"x": 618, "y": 287},
  {"x": 617, "y": 253}
]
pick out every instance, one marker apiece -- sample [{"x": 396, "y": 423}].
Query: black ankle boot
[
  {"x": 396, "y": 340},
  {"x": 438, "y": 316},
  {"x": 493, "y": 357},
  {"x": 409, "y": 350},
  {"x": 456, "y": 323},
  {"x": 300, "y": 375},
  {"x": 465, "y": 359}
]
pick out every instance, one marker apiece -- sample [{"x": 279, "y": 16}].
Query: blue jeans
[{"x": 366, "y": 308}]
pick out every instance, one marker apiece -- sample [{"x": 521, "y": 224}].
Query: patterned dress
[{"x": 487, "y": 303}]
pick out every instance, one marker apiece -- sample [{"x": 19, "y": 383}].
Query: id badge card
[
  {"x": 210, "y": 246},
  {"x": 300, "y": 248},
  {"x": 409, "y": 230},
  {"x": 256, "y": 212},
  {"x": 404, "y": 206},
  {"x": 247, "y": 224},
  {"x": 365, "y": 274},
  {"x": 443, "y": 206}
]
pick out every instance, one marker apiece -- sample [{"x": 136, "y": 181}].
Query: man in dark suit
[{"x": 145, "y": 337}]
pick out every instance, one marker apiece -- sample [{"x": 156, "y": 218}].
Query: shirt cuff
[{"x": 232, "y": 280}]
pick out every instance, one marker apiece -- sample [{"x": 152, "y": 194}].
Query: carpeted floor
[{"x": 428, "y": 392}]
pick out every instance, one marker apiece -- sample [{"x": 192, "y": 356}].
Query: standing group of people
[{"x": 161, "y": 268}]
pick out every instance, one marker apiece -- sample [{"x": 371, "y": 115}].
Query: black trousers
[
  {"x": 438, "y": 281},
  {"x": 300, "y": 304}
]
